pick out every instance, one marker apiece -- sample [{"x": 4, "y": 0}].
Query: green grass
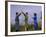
[{"x": 30, "y": 27}]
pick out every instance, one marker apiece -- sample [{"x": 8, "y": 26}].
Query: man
[
  {"x": 26, "y": 20},
  {"x": 17, "y": 21}
]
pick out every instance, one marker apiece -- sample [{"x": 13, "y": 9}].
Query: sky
[{"x": 31, "y": 9}]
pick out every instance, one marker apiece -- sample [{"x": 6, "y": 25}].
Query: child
[
  {"x": 35, "y": 21},
  {"x": 17, "y": 21},
  {"x": 26, "y": 20}
]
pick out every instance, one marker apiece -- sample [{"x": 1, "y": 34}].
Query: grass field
[{"x": 30, "y": 27}]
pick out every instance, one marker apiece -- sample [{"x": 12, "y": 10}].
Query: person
[
  {"x": 26, "y": 20},
  {"x": 17, "y": 21},
  {"x": 35, "y": 21}
]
